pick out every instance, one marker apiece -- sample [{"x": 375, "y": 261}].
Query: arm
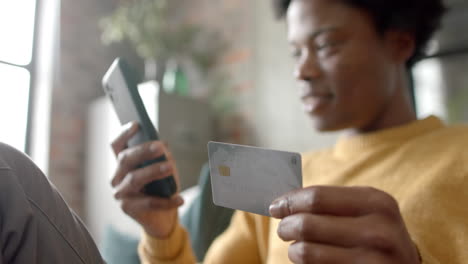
[
  {"x": 164, "y": 240},
  {"x": 243, "y": 242},
  {"x": 36, "y": 225},
  {"x": 175, "y": 249}
]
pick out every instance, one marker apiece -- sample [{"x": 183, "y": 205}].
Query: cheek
[{"x": 357, "y": 83}]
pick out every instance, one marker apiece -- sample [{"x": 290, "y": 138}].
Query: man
[
  {"x": 392, "y": 190},
  {"x": 36, "y": 225}
]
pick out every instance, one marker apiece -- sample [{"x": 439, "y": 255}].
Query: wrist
[
  {"x": 166, "y": 249},
  {"x": 162, "y": 230}
]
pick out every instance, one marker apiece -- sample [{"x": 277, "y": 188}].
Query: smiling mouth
[{"x": 313, "y": 104}]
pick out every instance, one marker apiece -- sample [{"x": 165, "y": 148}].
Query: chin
[{"x": 322, "y": 124}]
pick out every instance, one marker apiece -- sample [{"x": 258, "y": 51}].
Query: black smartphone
[{"x": 120, "y": 86}]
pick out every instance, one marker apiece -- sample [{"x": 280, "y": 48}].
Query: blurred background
[{"x": 212, "y": 70}]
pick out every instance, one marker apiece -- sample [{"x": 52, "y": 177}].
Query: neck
[{"x": 399, "y": 111}]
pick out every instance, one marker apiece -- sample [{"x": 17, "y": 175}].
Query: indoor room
[{"x": 240, "y": 74}]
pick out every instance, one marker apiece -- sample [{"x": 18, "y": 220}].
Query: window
[
  {"x": 440, "y": 79},
  {"x": 429, "y": 89},
  {"x": 17, "y": 24}
]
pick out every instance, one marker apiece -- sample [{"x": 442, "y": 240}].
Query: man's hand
[
  {"x": 156, "y": 215},
  {"x": 343, "y": 225}
]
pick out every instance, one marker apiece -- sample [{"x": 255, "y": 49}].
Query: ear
[{"x": 401, "y": 44}]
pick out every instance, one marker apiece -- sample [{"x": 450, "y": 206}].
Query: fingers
[
  {"x": 170, "y": 158},
  {"x": 129, "y": 159},
  {"x": 133, "y": 182},
  {"x": 338, "y": 201},
  {"x": 120, "y": 143},
  {"x": 303, "y": 252},
  {"x": 147, "y": 203},
  {"x": 326, "y": 229},
  {"x": 343, "y": 225},
  {"x": 366, "y": 231},
  {"x": 168, "y": 153}
]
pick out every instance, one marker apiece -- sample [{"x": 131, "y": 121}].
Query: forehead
[{"x": 307, "y": 17}]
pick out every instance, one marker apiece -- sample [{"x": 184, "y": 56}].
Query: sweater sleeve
[
  {"x": 175, "y": 249},
  {"x": 240, "y": 243}
]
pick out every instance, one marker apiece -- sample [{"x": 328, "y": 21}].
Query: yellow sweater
[{"x": 424, "y": 165}]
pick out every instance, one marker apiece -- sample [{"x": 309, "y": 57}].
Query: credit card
[{"x": 250, "y": 178}]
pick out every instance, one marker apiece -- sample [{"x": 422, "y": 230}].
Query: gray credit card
[{"x": 250, "y": 178}]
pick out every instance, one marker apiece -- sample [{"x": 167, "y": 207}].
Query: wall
[
  {"x": 279, "y": 120},
  {"x": 269, "y": 111},
  {"x": 235, "y": 21},
  {"x": 454, "y": 67},
  {"x": 82, "y": 62}
]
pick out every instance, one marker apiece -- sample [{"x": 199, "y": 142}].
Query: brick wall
[
  {"x": 234, "y": 19},
  {"x": 83, "y": 61}
]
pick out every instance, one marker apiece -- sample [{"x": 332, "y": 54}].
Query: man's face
[{"x": 346, "y": 70}]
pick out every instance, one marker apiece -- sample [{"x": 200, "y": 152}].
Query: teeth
[
  {"x": 312, "y": 103},
  {"x": 311, "y": 95},
  {"x": 308, "y": 107},
  {"x": 313, "y": 99}
]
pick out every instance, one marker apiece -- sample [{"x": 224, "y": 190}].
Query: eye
[
  {"x": 322, "y": 46},
  {"x": 327, "y": 48},
  {"x": 296, "y": 53},
  {"x": 326, "y": 41}
]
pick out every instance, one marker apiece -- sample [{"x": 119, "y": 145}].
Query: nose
[{"x": 307, "y": 68}]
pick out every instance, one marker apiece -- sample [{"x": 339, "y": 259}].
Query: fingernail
[
  {"x": 276, "y": 208},
  {"x": 127, "y": 126},
  {"x": 179, "y": 200},
  {"x": 154, "y": 147}
]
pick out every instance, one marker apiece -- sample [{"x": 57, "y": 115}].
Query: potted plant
[{"x": 162, "y": 39}]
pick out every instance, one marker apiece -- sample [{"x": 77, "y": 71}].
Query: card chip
[{"x": 224, "y": 171}]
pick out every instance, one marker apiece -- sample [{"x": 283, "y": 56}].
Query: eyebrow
[{"x": 319, "y": 32}]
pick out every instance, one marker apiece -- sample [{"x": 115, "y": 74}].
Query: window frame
[{"x": 31, "y": 68}]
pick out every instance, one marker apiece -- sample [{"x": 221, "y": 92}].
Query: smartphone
[{"x": 119, "y": 84}]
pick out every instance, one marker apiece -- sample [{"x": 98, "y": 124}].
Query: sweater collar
[{"x": 350, "y": 146}]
